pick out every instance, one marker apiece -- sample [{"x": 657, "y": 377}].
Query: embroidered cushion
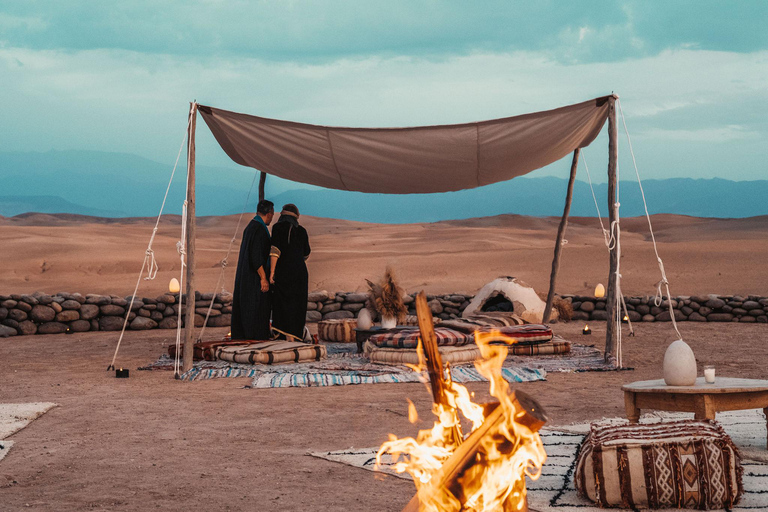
[
  {"x": 682, "y": 464},
  {"x": 409, "y": 338},
  {"x": 272, "y": 352},
  {"x": 338, "y": 330},
  {"x": 207, "y": 349}
]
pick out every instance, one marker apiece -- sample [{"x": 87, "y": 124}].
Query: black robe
[
  {"x": 251, "y": 306},
  {"x": 289, "y": 293}
]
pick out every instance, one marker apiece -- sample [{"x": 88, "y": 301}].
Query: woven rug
[
  {"x": 339, "y": 369},
  {"x": 345, "y": 367},
  {"x": 554, "y": 489}
]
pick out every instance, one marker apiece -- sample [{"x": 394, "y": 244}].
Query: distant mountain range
[{"x": 124, "y": 185}]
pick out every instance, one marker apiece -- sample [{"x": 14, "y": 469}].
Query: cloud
[{"x": 310, "y": 31}]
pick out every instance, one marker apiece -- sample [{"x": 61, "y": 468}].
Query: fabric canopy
[{"x": 407, "y": 160}]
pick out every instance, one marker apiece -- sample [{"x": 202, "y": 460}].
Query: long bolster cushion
[
  {"x": 272, "y": 352},
  {"x": 206, "y": 350},
  {"x": 681, "y": 464},
  {"x": 556, "y": 346},
  {"x": 409, "y": 338},
  {"x": 453, "y": 355}
]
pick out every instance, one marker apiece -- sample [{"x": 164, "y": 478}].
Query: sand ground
[
  {"x": 92, "y": 255},
  {"x": 150, "y": 442}
]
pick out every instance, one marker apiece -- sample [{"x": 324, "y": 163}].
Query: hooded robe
[
  {"x": 289, "y": 293},
  {"x": 250, "y": 306}
]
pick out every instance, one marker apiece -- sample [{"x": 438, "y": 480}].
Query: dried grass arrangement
[{"x": 388, "y": 297}]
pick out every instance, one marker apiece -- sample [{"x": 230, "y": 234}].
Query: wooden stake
[
  {"x": 611, "y": 334},
  {"x": 532, "y": 416},
  {"x": 434, "y": 361},
  {"x": 559, "y": 238},
  {"x": 262, "y": 181},
  {"x": 189, "y": 317}
]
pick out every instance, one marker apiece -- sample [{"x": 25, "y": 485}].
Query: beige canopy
[{"x": 407, "y": 160}]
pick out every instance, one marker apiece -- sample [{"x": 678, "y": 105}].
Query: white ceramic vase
[
  {"x": 679, "y": 365},
  {"x": 388, "y": 322},
  {"x": 364, "y": 320}
]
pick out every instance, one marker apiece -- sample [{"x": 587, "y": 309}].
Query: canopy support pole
[
  {"x": 189, "y": 316},
  {"x": 262, "y": 181},
  {"x": 560, "y": 234},
  {"x": 611, "y": 333}
]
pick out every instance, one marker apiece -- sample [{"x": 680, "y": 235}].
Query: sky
[{"x": 119, "y": 76}]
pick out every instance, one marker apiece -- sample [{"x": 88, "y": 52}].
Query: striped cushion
[
  {"x": 272, "y": 352},
  {"x": 339, "y": 330},
  {"x": 528, "y": 333},
  {"x": 206, "y": 350},
  {"x": 474, "y": 322},
  {"x": 414, "y": 320},
  {"x": 409, "y": 338},
  {"x": 556, "y": 346},
  {"x": 453, "y": 355},
  {"x": 683, "y": 464}
]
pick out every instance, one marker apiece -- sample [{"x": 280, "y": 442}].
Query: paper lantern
[
  {"x": 173, "y": 286},
  {"x": 599, "y": 290}
]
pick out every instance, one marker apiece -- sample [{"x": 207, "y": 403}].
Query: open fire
[{"x": 486, "y": 470}]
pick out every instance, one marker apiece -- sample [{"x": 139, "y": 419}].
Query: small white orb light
[{"x": 173, "y": 286}]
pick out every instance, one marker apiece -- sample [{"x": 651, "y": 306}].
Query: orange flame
[{"x": 507, "y": 453}]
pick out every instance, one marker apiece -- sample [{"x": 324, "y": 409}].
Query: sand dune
[{"x": 65, "y": 252}]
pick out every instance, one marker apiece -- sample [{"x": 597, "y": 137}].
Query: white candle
[{"x": 709, "y": 374}]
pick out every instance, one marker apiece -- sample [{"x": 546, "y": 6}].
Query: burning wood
[{"x": 486, "y": 471}]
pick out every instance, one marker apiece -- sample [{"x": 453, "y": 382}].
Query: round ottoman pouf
[
  {"x": 678, "y": 464},
  {"x": 338, "y": 330}
]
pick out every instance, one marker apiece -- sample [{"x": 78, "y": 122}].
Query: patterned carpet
[{"x": 344, "y": 367}]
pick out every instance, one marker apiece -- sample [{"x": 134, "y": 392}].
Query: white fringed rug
[
  {"x": 555, "y": 490},
  {"x": 14, "y": 417}
]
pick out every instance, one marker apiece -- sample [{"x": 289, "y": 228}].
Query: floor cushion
[
  {"x": 555, "y": 346},
  {"x": 472, "y": 323},
  {"x": 272, "y": 352},
  {"x": 206, "y": 350},
  {"x": 409, "y": 338},
  {"x": 528, "y": 333},
  {"x": 448, "y": 354},
  {"x": 337, "y": 330},
  {"x": 682, "y": 464}
]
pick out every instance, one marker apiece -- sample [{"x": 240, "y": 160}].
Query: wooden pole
[
  {"x": 262, "y": 181},
  {"x": 434, "y": 361},
  {"x": 189, "y": 317},
  {"x": 611, "y": 333},
  {"x": 560, "y": 235}
]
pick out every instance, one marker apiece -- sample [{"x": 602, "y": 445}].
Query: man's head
[
  {"x": 266, "y": 210},
  {"x": 291, "y": 209}
]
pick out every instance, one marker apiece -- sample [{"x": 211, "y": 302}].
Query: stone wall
[
  {"x": 705, "y": 308},
  {"x": 40, "y": 313}
]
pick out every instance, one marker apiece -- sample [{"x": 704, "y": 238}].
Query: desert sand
[
  {"x": 93, "y": 255},
  {"x": 150, "y": 442}
]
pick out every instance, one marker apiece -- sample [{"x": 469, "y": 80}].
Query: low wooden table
[{"x": 702, "y": 399}]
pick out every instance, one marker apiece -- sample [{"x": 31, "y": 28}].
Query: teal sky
[{"x": 118, "y": 77}]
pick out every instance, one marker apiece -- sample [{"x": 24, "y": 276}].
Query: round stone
[
  {"x": 27, "y": 327},
  {"x": 110, "y": 323},
  {"x": 142, "y": 323},
  {"x": 42, "y": 314},
  {"x": 80, "y": 326},
  {"x": 70, "y": 304},
  {"x": 52, "y": 328},
  {"x": 68, "y": 315},
  {"x": 587, "y": 306},
  {"x": 17, "y": 315},
  {"x": 89, "y": 311},
  {"x": 111, "y": 310}
]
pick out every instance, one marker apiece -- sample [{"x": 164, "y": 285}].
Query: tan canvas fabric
[{"x": 407, "y": 160}]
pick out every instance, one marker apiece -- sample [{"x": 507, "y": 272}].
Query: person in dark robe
[
  {"x": 288, "y": 274},
  {"x": 251, "y": 306}
]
